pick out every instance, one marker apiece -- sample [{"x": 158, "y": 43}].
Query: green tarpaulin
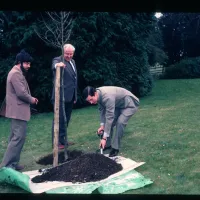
[{"x": 126, "y": 179}]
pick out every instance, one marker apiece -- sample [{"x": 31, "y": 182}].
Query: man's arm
[
  {"x": 19, "y": 85},
  {"x": 109, "y": 116},
  {"x": 102, "y": 115},
  {"x": 54, "y": 62}
]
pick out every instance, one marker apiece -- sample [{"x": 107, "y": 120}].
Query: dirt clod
[{"x": 48, "y": 159}]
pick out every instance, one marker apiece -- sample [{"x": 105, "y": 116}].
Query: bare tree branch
[
  {"x": 46, "y": 40},
  {"x": 49, "y": 28},
  {"x": 53, "y": 19},
  {"x": 55, "y": 28}
]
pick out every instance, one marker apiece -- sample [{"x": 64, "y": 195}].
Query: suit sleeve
[
  {"x": 19, "y": 85},
  {"x": 109, "y": 115},
  {"x": 55, "y": 61},
  {"x": 102, "y": 115}
]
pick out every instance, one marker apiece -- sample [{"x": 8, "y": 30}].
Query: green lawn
[{"x": 164, "y": 134}]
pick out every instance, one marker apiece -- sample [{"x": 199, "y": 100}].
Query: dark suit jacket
[{"x": 69, "y": 80}]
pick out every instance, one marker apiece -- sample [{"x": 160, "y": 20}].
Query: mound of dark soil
[
  {"x": 48, "y": 159},
  {"x": 85, "y": 168}
]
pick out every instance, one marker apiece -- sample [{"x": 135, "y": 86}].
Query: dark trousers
[
  {"x": 62, "y": 124},
  {"x": 15, "y": 143}
]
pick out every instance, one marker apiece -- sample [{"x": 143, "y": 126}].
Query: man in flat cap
[{"x": 18, "y": 100}]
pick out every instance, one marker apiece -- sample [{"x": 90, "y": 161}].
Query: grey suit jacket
[
  {"x": 18, "y": 96},
  {"x": 69, "y": 80},
  {"x": 110, "y": 98}
]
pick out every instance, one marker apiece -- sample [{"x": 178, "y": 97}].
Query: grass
[{"x": 164, "y": 133}]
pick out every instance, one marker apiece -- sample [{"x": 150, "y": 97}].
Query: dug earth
[{"x": 87, "y": 167}]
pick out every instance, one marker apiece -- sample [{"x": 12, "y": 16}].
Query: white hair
[{"x": 66, "y": 46}]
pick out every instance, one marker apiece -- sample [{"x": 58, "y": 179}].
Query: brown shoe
[
  {"x": 19, "y": 167},
  {"x": 60, "y": 146}
]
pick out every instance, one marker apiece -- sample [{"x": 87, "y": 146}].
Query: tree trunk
[{"x": 56, "y": 117}]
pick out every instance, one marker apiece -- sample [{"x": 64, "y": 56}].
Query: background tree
[
  {"x": 181, "y": 35},
  {"x": 13, "y": 35},
  {"x": 155, "y": 47},
  {"x": 113, "y": 49},
  {"x": 17, "y": 33}
]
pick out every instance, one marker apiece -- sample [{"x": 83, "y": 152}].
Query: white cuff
[
  {"x": 105, "y": 134},
  {"x": 55, "y": 66},
  {"x": 101, "y": 124}
]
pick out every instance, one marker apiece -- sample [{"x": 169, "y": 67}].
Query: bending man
[{"x": 116, "y": 105}]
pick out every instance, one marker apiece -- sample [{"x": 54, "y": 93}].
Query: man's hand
[
  {"x": 60, "y": 64},
  {"x": 102, "y": 143},
  {"x": 101, "y": 129},
  {"x": 35, "y": 100}
]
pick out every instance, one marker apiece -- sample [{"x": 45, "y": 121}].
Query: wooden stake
[{"x": 56, "y": 117}]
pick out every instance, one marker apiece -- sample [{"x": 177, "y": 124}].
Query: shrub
[{"x": 186, "y": 68}]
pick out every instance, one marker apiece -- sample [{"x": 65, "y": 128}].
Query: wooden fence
[{"x": 157, "y": 70}]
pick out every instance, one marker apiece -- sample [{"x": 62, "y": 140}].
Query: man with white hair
[{"x": 68, "y": 91}]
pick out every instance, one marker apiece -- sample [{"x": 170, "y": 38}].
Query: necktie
[{"x": 72, "y": 66}]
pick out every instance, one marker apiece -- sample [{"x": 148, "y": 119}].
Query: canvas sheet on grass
[{"x": 117, "y": 183}]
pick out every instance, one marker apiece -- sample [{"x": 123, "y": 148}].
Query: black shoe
[
  {"x": 113, "y": 152},
  {"x": 109, "y": 147}
]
